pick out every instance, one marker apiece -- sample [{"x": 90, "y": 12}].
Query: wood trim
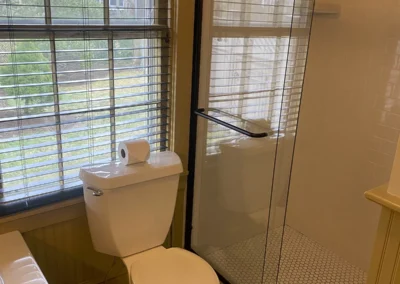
[
  {"x": 385, "y": 262},
  {"x": 182, "y": 38},
  {"x": 183, "y": 12},
  {"x": 380, "y": 245},
  {"x": 381, "y": 196},
  {"x": 390, "y": 255}
]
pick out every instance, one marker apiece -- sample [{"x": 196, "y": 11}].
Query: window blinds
[
  {"x": 76, "y": 78},
  {"x": 258, "y": 56}
]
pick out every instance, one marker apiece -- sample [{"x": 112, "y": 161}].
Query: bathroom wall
[{"x": 349, "y": 126}]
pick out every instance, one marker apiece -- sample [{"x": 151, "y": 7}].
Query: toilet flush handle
[{"x": 96, "y": 192}]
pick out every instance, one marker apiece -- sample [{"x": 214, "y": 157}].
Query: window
[
  {"x": 75, "y": 80},
  {"x": 117, "y": 3},
  {"x": 258, "y": 53}
]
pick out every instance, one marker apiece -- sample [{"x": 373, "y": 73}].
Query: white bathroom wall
[{"x": 349, "y": 125}]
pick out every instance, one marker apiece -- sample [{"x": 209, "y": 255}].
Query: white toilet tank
[
  {"x": 131, "y": 207},
  {"x": 245, "y": 174}
]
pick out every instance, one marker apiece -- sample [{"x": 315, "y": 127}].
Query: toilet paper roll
[{"x": 133, "y": 151}]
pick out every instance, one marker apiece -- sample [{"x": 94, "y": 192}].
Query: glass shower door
[{"x": 251, "y": 70}]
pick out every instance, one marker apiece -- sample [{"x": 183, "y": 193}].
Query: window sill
[{"x": 44, "y": 216}]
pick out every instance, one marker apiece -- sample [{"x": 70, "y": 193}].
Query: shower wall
[{"x": 349, "y": 126}]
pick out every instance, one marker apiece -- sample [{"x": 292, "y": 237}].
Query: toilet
[{"x": 130, "y": 211}]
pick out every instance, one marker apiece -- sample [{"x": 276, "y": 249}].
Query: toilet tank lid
[{"x": 114, "y": 175}]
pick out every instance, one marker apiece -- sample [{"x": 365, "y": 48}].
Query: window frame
[{"x": 109, "y": 32}]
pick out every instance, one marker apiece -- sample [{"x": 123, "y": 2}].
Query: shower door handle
[{"x": 202, "y": 112}]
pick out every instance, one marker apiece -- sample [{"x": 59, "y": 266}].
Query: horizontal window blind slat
[
  {"x": 250, "y": 84},
  {"x": 75, "y": 130},
  {"x": 99, "y": 89},
  {"x": 247, "y": 92},
  {"x": 69, "y": 140},
  {"x": 56, "y": 186},
  {"x": 280, "y": 68},
  {"x": 257, "y": 3},
  {"x": 84, "y": 119},
  {"x": 42, "y": 32},
  {"x": 16, "y": 4},
  {"x": 88, "y": 81},
  {"x": 75, "y": 157},
  {"x": 64, "y": 51},
  {"x": 66, "y": 103},
  {"x": 54, "y": 162},
  {"x": 82, "y": 61},
  {"x": 18, "y": 186},
  {"x": 217, "y": 78},
  {"x": 83, "y": 111}
]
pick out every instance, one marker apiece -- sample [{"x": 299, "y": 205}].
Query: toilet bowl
[
  {"x": 130, "y": 210},
  {"x": 170, "y": 266}
]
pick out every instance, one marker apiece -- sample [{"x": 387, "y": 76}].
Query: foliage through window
[{"x": 76, "y": 78}]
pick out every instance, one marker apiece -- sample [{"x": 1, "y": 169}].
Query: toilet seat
[{"x": 170, "y": 266}]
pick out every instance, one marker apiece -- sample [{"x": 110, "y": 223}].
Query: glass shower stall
[{"x": 250, "y": 60}]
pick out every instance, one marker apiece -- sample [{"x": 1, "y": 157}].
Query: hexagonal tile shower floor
[{"x": 303, "y": 262}]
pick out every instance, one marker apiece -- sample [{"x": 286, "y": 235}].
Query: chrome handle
[{"x": 96, "y": 192}]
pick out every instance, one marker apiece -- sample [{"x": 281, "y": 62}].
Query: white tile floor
[{"x": 303, "y": 262}]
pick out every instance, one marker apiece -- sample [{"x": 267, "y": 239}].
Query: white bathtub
[{"x": 17, "y": 264}]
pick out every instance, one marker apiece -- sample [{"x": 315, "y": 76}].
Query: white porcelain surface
[
  {"x": 245, "y": 174},
  {"x": 137, "y": 217},
  {"x": 169, "y": 266},
  {"x": 17, "y": 266},
  {"x": 133, "y": 151},
  {"x": 115, "y": 175},
  {"x": 131, "y": 219}
]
